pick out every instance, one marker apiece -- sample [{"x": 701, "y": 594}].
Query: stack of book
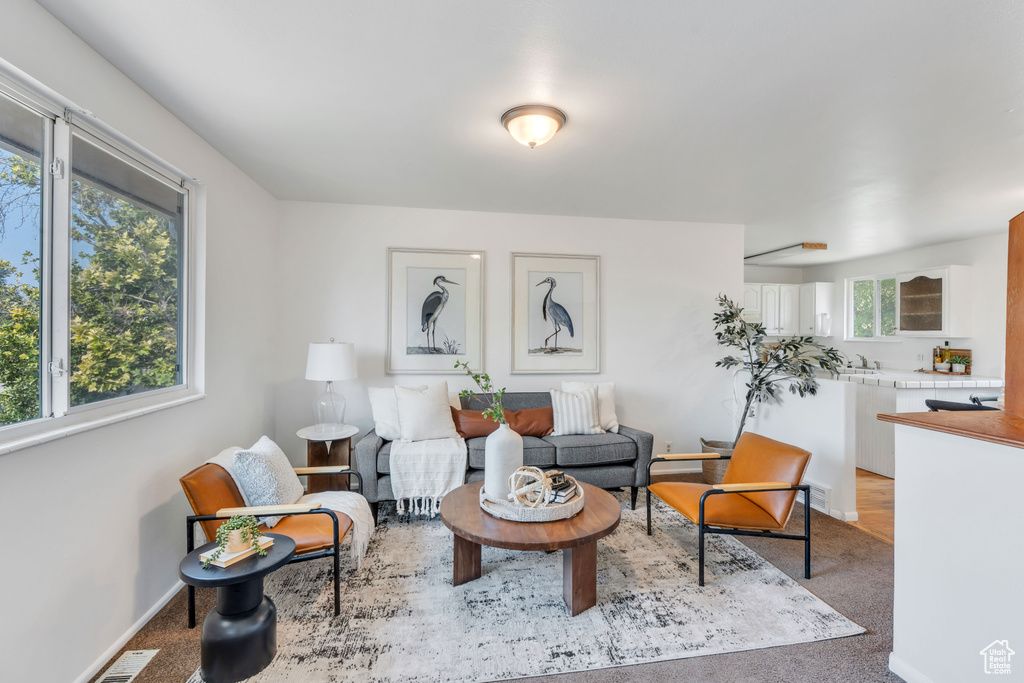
[
  {"x": 227, "y": 559},
  {"x": 560, "y": 493}
]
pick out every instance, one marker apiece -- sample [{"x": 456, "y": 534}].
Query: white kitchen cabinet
[
  {"x": 935, "y": 302},
  {"x": 816, "y": 309},
  {"x": 770, "y": 308},
  {"x": 751, "y": 303},
  {"x": 789, "y": 310}
]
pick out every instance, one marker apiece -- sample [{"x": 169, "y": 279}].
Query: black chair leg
[
  {"x": 648, "y": 512},
  {"x": 700, "y": 555},
  {"x": 807, "y": 534},
  {"x": 633, "y": 490},
  {"x": 337, "y": 568},
  {"x": 191, "y": 607}
]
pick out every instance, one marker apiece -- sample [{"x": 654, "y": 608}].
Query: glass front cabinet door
[{"x": 934, "y": 303}]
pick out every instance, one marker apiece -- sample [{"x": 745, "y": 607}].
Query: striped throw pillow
[{"x": 575, "y": 413}]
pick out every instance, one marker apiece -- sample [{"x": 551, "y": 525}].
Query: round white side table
[{"x": 329, "y": 447}]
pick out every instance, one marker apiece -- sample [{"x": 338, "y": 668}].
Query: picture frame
[
  {"x": 435, "y": 311},
  {"x": 556, "y": 314}
]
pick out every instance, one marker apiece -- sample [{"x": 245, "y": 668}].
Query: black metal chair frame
[
  {"x": 334, "y": 551},
  {"x": 703, "y": 528}
]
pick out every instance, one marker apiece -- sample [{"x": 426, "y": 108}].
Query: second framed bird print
[
  {"x": 435, "y": 310},
  {"x": 556, "y": 306}
]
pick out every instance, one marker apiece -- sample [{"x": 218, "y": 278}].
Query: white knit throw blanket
[
  {"x": 423, "y": 472},
  {"x": 356, "y": 507}
]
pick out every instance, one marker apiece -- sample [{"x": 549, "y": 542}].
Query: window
[
  {"x": 871, "y": 308},
  {"x": 93, "y": 273},
  {"x": 22, "y": 139}
]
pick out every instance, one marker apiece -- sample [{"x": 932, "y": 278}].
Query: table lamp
[{"x": 330, "y": 362}]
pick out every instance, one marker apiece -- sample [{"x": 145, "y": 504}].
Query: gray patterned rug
[{"x": 401, "y": 619}]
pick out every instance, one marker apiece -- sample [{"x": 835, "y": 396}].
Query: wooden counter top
[{"x": 997, "y": 426}]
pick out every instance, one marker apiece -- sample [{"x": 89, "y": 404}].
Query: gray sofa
[{"x": 604, "y": 460}]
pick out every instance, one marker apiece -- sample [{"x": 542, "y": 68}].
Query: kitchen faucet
[
  {"x": 878, "y": 365},
  {"x": 863, "y": 361}
]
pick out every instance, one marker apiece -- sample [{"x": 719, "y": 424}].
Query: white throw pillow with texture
[
  {"x": 384, "y": 407},
  {"x": 575, "y": 413},
  {"x": 605, "y": 402},
  {"x": 425, "y": 414},
  {"x": 267, "y": 477}
]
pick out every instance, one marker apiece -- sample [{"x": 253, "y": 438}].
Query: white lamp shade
[{"x": 331, "y": 362}]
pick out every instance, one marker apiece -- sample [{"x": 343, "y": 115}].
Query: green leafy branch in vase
[{"x": 494, "y": 410}]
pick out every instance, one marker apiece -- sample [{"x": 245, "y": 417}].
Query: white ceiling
[{"x": 870, "y": 125}]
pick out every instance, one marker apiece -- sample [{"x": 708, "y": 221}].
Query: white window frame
[
  {"x": 848, "y": 327},
  {"x": 59, "y": 418}
]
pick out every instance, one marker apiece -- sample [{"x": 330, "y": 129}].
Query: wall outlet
[
  {"x": 920, "y": 357},
  {"x": 668, "y": 446}
]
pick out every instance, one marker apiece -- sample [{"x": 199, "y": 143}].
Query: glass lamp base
[{"x": 329, "y": 410}]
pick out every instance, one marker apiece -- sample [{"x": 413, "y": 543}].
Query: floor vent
[
  {"x": 821, "y": 497},
  {"x": 127, "y": 666}
]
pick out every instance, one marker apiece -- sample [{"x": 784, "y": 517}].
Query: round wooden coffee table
[{"x": 576, "y": 537}]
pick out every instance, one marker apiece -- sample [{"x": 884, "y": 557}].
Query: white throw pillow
[
  {"x": 384, "y": 407},
  {"x": 575, "y": 413},
  {"x": 425, "y": 414},
  {"x": 267, "y": 477},
  {"x": 605, "y": 402}
]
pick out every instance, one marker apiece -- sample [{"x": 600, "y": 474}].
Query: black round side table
[{"x": 239, "y": 638}]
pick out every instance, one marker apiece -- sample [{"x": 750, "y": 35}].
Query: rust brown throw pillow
[
  {"x": 531, "y": 421},
  {"x": 472, "y": 423}
]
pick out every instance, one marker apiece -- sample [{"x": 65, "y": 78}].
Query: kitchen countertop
[{"x": 919, "y": 380}]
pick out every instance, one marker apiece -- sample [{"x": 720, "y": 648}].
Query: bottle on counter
[{"x": 945, "y": 353}]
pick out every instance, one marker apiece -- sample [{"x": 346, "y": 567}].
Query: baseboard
[
  {"x": 135, "y": 628},
  {"x": 844, "y": 516},
  {"x": 905, "y": 671}
]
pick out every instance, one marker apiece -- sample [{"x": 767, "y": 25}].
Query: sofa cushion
[
  {"x": 531, "y": 421},
  {"x": 472, "y": 423},
  {"x": 536, "y": 452},
  {"x": 592, "y": 449}
]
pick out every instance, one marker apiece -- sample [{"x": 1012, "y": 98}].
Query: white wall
[
  {"x": 658, "y": 285},
  {"x": 988, "y": 343},
  {"x": 955, "y": 585},
  {"x": 96, "y": 521},
  {"x": 824, "y": 425},
  {"x": 773, "y": 275}
]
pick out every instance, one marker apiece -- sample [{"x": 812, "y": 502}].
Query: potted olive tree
[{"x": 787, "y": 363}]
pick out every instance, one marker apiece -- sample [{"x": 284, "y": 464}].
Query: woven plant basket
[{"x": 714, "y": 470}]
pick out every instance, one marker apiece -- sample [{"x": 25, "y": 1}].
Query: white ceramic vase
[{"x": 503, "y": 455}]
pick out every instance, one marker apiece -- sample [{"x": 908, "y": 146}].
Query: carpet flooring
[{"x": 852, "y": 572}]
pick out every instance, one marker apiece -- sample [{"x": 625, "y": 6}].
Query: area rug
[{"x": 401, "y": 619}]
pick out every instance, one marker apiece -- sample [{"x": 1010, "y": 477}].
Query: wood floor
[{"x": 875, "y": 504}]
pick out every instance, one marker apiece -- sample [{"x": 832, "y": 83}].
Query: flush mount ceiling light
[{"x": 532, "y": 124}]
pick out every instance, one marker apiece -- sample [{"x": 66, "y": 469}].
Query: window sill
[
  {"x": 26, "y": 436},
  {"x": 883, "y": 340}
]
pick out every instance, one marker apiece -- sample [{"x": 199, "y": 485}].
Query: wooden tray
[{"x": 503, "y": 509}]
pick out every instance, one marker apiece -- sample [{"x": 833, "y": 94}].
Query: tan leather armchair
[
  {"x": 756, "y": 496},
  {"x": 317, "y": 532}
]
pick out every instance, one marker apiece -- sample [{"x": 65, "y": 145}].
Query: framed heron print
[
  {"x": 435, "y": 310},
  {"x": 556, "y": 307}
]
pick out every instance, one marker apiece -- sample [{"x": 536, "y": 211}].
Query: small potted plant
[
  {"x": 959, "y": 364},
  {"x": 235, "y": 535},
  {"x": 503, "y": 450}
]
